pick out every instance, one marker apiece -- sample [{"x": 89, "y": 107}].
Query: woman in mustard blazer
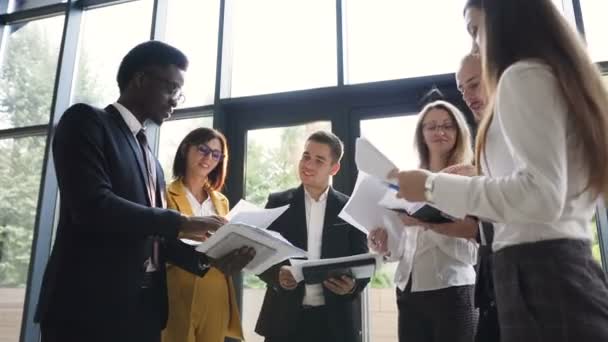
[{"x": 201, "y": 309}]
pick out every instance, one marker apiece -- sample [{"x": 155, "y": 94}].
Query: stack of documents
[
  {"x": 360, "y": 266},
  {"x": 247, "y": 228},
  {"x": 271, "y": 248}
]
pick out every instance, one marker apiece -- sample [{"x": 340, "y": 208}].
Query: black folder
[
  {"x": 427, "y": 213},
  {"x": 318, "y": 273}
]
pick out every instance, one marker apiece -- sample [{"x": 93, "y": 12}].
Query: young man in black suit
[
  {"x": 292, "y": 311},
  {"x": 105, "y": 280}
]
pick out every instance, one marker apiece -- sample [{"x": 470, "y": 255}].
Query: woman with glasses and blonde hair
[
  {"x": 435, "y": 276},
  {"x": 200, "y": 309},
  {"x": 543, "y": 150}
]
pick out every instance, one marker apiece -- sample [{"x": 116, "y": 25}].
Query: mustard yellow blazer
[{"x": 182, "y": 299}]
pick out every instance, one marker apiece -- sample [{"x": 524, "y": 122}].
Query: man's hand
[
  {"x": 234, "y": 261},
  {"x": 286, "y": 279},
  {"x": 340, "y": 286},
  {"x": 198, "y": 228},
  {"x": 377, "y": 241}
]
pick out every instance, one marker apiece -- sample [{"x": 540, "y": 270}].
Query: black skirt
[
  {"x": 445, "y": 315},
  {"x": 550, "y": 291}
]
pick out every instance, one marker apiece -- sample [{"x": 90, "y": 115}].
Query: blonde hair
[
  {"x": 461, "y": 153},
  {"x": 515, "y": 30}
]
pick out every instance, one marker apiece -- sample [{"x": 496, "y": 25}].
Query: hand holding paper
[
  {"x": 197, "y": 228},
  {"x": 411, "y": 184},
  {"x": 270, "y": 247},
  {"x": 234, "y": 261}
]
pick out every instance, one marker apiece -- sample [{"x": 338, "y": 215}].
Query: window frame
[{"x": 344, "y": 105}]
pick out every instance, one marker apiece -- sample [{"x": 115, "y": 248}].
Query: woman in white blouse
[
  {"x": 435, "y": 276},
  {"x": 543, "y": 148}
]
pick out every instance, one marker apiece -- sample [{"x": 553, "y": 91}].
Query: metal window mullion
[
  {"x": 48, "y": 193},
  {"x": 340, "y": 41},
  {"x": 157, "y": 32}
]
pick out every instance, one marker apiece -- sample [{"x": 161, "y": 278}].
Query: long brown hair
[
  {"x": 461, "y": 152},
  {"x": 217, "y": 177},
  {"x": 515, "y": 30}
]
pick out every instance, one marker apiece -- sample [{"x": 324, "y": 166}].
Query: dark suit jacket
[
  {"x": 281, "y": 308},
  {"x": 95, "y": 270}
]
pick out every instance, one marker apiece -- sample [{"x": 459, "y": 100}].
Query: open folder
[
  {"x": 271, "y": 247},
  {"x": 419, "y": 210},
  {"x": 361, "y": 266}
]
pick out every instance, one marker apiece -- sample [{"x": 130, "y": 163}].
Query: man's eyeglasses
[
  {"x": 449, "y": 127},
  {"x": 173, "y": 88},
  {"x": 205, "y": 151}
]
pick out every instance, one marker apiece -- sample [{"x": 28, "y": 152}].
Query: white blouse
[
  {"x": 533, "y": 177},
  {"x": 433, "y": 260},
  {"x": 200, "y": 209}
]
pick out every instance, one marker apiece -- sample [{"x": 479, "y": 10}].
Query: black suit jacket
[
  {"x": 281, "y": 309},
  {"x": 95, "y": 270}
]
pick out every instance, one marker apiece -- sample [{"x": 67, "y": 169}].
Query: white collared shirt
[
  {"x": 315, "y": 220},
  {"x": 534, "y": 178},
  {"x": 134, "y": 125},
  {"x": 433, "y": 260},
  {"x": 200, "y": 209}
]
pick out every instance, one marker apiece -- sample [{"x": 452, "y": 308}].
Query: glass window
[
  {"x": 271, "y": 165},
  {"x": 20, "y": 170},
  {"x": 394, "y": 136},
  {"x": 595, "y": 247},
  {"x": 192, "y": 26},
  {"x": 392, "y": 39},
  {"x": 596, "y": 28},
  {"x": 171, "y": 134},
  {"x": 19, "y": 5},
  {"x": 27, "y": 73},
  {"x": 283, "y": 45},
  {"x": 103, "y": 45}
]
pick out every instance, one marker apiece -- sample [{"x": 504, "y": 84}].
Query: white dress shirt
[
  {"x": 134, "y": 125},
  {"x": 534, "y": 180},
  {"x": 433, "y": 260},
  {"x": 200, "y": 209},
  {"x": 315, "y": 219}
]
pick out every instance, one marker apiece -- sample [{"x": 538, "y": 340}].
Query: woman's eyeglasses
[{"x": 205, "y": 151}]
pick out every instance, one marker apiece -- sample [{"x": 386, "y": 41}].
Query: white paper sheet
[
  {"x": 252, "y": 215},
  {"x": 359, "y": 272},
  {"x": 370, "y": 160},
  {"x": 363, "y": 211},
  {"x": 271, "y": 248},
  {"x": 390, "y": 201}
]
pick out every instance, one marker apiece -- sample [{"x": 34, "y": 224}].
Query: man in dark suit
[
  {"x": 294, "y": 311},
  {"x": 105, "y": 280}
]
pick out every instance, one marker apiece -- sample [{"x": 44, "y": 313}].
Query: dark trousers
[
  {"x": 312, "y": 327},
  {"x": 550, "y": 291},
  {"x": 445, "y": 315},
  {"x": 487, "y": 326},
  {"x": 144, "y": 327}
]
